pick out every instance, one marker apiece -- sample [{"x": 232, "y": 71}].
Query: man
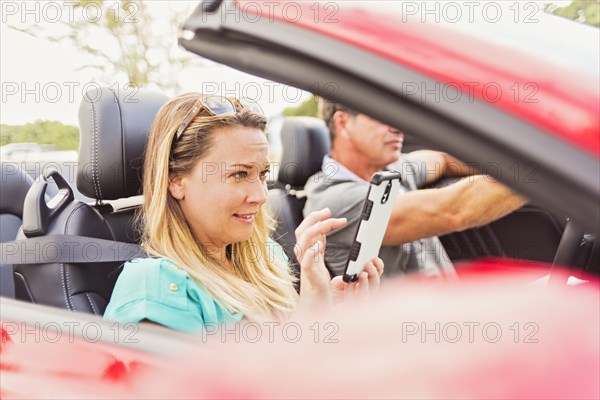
[{"x": 362, "y": 146}]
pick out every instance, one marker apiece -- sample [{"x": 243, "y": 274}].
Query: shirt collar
[{"x": 340, "y": 172}]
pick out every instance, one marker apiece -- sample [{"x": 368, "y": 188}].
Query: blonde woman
[{"x": 207, "y": 229}]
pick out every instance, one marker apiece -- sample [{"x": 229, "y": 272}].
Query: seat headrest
[
  {"x": 114, "y": 129},
  {"x": 15, "y": 185},
  {"x": 305, "y": 142}
]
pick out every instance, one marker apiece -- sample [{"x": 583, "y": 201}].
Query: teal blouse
[{"x": 156, "y": 290}]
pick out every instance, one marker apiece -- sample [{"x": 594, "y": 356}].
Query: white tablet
[{"x": 376, "y": 214}]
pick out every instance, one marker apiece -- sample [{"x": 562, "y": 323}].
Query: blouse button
[{"x": 173, "y": 286}]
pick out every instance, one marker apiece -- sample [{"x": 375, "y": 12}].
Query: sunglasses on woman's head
[{"x": 217, "y": 105}]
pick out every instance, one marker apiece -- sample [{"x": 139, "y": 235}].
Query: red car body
[
  {"x": 567, "y": 102},
  {"x": 494, "y": 335}
]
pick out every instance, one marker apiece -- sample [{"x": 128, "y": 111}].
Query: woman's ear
[{"x": 177, "y": 187}]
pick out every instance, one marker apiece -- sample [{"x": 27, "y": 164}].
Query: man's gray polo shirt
[{"x": 344, "y": 193}]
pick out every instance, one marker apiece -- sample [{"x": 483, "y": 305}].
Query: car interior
[{"x": 113, "y": 137}]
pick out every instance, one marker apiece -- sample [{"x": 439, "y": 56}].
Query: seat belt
[
  {"x": 72, "y": 249},
  {"x": 7, "y": 281},
  {"x": 60, "y": 249},
  {"x": 442, "y": 262}
]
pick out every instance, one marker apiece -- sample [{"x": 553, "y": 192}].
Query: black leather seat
[
  {"x": 13, "y": 188},
  {"x": 15, "y": 184},
  {"x": 305, "y": 141},
  {"x": 114, "y": 130}
]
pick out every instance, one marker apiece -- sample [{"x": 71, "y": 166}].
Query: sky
[{"x": 42, "y": 80}]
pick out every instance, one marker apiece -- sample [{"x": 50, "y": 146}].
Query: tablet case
[{"x": 376, "y": 214}]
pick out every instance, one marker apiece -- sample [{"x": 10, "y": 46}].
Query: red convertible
[{"x": 500, "y": 85}]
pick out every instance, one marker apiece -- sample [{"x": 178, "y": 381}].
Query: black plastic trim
[{"x": 379, "y": 177}]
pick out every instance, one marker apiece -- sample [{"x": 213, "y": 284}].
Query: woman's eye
[
  {"x": 240, "y": 175},
  {"x": 264, "y": 174}
]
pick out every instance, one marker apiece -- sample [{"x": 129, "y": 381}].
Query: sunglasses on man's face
[{"x": 217, "y": 105}]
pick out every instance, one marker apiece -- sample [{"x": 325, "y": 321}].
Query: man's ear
[
  {"x": 340, "y": 120},
  {"x": 177, "y": 186}
]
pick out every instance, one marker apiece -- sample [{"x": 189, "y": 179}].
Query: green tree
[
  {"x": 585, "y": 11},
  {"x": 122, "y": 38},
  {"x": 63, "y": 137},
  {"x": 308, "y": 108}
]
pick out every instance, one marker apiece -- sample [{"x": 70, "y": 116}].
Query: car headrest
[
  {"x": 305, "y": 142},
  {"x": 15, "y": 185},
  {"x": 114, "y": 130}
]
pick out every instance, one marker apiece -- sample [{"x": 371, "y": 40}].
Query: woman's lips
[{"x": 245, "y": 218}]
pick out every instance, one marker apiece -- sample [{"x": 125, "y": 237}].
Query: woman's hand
[
  {"x": 310, "y": 252},
  {"x": 366, "y": 285}
]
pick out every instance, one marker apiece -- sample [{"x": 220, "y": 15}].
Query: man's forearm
[
  {"x": 454, "y": 167},
  {"x": 436, "y": 165},
  {"x": 479, "y": 200},
  {"x": 470, "y": 202}
]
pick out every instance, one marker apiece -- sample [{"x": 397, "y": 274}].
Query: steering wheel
[{"x": 566, "y": 254}]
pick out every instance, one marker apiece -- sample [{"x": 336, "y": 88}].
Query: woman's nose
[{"x": 257, "y": 192}]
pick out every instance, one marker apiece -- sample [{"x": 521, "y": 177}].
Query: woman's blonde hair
[{"x": 259, "y": 287}]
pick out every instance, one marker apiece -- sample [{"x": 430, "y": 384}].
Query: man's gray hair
[{"x": 327, "y": 110}]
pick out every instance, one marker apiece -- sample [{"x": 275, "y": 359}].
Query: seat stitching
[
  {"x": 91, "y": 304},
  {"x": 64, "y": 270},
  {"x": 92, "y": 120},
  {"x": 95, "y": 179},
  {"x": 62, "y": 281}
]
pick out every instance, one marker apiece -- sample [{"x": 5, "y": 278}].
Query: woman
[{"x": 205, "y": 222}]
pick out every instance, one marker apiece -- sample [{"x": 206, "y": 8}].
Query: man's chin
[{"x": 394, "y": 156}]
